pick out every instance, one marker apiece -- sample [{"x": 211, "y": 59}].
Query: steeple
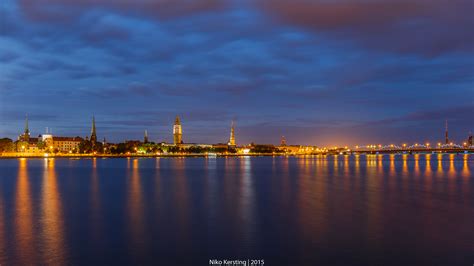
[
  {"x": 446, "y": 133},
  {"x": 145, "y": 138},
  {"x": 232, "y": 135},
  {"x": 26, "y": 133},
  {"x": 93, "y": 131},
  {"x": 27, "y": 130},
  {"x": 177, "y": 132}
]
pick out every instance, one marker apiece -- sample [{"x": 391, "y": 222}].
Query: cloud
[
  {"x": 423, "y": 27},
  {"x": 460, "y": 114},
  {"x": 8, "y": 56},
  {"x": 63, "y": 11}
]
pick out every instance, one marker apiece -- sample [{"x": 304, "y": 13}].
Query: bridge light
[
  {"x": 439, "y": 143},
  {"x": 404, "y": 144},
  {"x": 427, "y": 144},
  {"x": 451, "y": 144}
]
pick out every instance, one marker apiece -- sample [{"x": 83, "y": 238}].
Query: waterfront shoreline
[{"x": 79, "y": 156}]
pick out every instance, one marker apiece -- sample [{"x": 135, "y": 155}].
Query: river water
[{"x": 311, "y": 210}]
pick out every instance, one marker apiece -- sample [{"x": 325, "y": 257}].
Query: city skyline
[
  {"x": 176, "y": 133},
  {"x": 317, "y": 72}
]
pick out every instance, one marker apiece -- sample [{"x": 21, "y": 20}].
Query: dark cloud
[
  {"x": 8, "y": 56},
  {"x": 462, "y": 114},
  {"x": 65, "y": 11},
  {"x": 426, "y": 27}
]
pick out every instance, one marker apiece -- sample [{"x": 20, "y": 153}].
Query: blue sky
[{"x": 319, "y": 72}]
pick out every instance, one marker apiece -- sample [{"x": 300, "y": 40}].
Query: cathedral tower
[
  {"x": 232, "y": 135},
  {"x": 93, "y": 138},
  {"x": 26, "y": 134},
  {"x": 177, "y": 132}
]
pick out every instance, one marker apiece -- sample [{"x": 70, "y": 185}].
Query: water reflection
[
  {"x": 24, "y": 217},
  {"x": 3, "y": 252},
  {"x": 246, "y": 198},
  {"x": 135, "y": 211},
  {"x": 52, "y": 220},
  {"x": 297, "y": 207},
  {"x": 96, "y": 210},
  {"x": 181, "y": 199}
]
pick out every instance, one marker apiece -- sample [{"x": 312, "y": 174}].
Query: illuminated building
[
  {"x": 469, "y": 139},
  {"x": 26, "y": 143},
  {"x": 61, "y": 144},
  {"x": 177, "y": 132},
  {"x": 145, "y": 138},
  {"x": 232, "y": 135}
]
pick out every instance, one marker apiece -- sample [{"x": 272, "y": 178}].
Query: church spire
[
  {"x": 446, "y": 133},
  {"x": 26, "y": 134},
  {"x": 177, "y": 132},
  {"x": 232, "y": 135},
  {"x": 93, "y": 131},
  {"x": 27, "y": 130}
]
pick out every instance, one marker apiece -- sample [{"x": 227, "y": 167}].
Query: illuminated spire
[
  {"x": 177, "y": 132},
  {"x": 145, "y": 138},
  {"x": 232, "y": 135}
]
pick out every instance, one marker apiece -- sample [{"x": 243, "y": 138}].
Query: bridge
[{"x": 415, "y": 148}]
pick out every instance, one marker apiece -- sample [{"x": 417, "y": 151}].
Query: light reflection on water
[
  {"x": 52, "y": 242},
  {"x": 309, "y": 209}
]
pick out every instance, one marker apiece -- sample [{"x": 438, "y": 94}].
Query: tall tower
[
  {"x": 446, "y": 138},
  {"x": 145, "y": 138},
  {"x": 93, "y": 138},
  {"x": 26, "y": 134},
  {"x": 469, "y": 139},
  {"x": 177, "y": 132},
  {"x": 232, "y": 135}
]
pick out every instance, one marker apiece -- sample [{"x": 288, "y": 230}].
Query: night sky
[{"x": 319, "y": 72}]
